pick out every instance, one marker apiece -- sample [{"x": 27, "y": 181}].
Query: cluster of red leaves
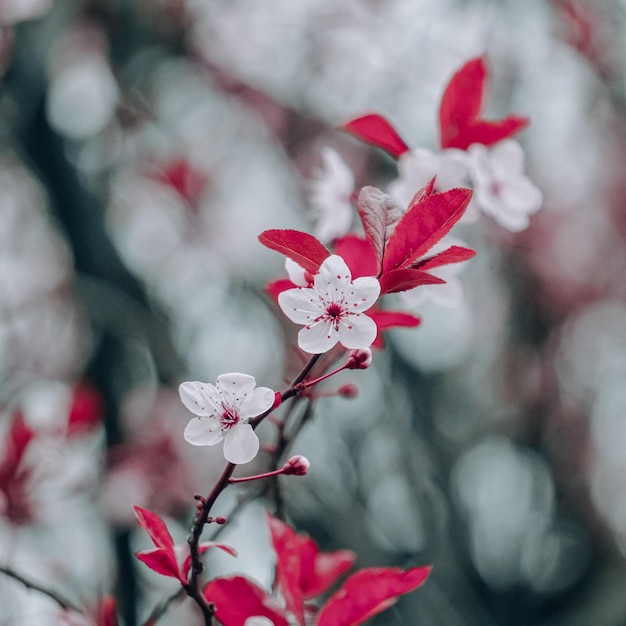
[
  {"x": 168, "y": 558},
  {"x": 303, "y": 573},
  {"x": 460, "y": 117},
  {"x": 395, "y": 248}
]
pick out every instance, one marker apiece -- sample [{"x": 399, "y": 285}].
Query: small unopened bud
[
  {"x": 296, "y": 466},
  {"x": 348, "y": 391},
  {"x": 277, "y": 400},
  {"x": 220, "y": 519},
  {"x": 359, "y": 359}
]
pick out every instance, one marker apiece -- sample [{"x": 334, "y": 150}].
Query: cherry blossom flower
[
  {"x": 332, "y": 310},
  {"x": 417, "y": 167},
  {"x": 330, "y": 196},
  {"x": 501, "y": 188},
  {"x": 223, "y": 412}
]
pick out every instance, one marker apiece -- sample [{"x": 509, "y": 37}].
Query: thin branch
[{"x": 64, "y": 603}]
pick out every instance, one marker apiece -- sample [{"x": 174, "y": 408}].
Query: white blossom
[
  {"x": 223, "y": 412},
  {"x": 332, "y": 310},
  {"x": 419, "y": 166},
  {"x": 330, "y": 196},
  {"x": 501, "y": 189}
]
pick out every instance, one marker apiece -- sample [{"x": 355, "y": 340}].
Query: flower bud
[
  {"x": 348, "y": 391},
  {"x": 359, "y": 359},
  {"x": 296, "y": 466}
]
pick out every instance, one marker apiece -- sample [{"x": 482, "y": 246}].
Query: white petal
[
  {"x": 240, "y": 444},
  {"x": 364, "y": 293},
  {"x": 200, "y": 398},
  {"x": 507, "y": 158},
  {"x": 203, "y": 432},
  {"x": 295, "y": 272},
  {"x": 256, "y": 402},
  {"x": 301, "y": 306},
  {"x": 333, "y": 278},
  {"x": 357, "y": 331},
  {"x": 521, "y": 196},
  {"x": 318, "y": 338},
  {"x": 234, "y": 387}
]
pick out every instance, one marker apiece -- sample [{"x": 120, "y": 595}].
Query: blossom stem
[
  {"x": 310, "y": 383},
  {"x": 246, "y": 479}
]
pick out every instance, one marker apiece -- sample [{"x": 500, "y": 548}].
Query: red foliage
[
  {"x": 376, "y": 130},
  {"x": 460, "y": 121}
]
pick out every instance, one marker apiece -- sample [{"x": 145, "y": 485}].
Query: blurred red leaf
[
  {"x": 237, "y": 598},
  {"x": 107, "y": 612},
  {"x": 288, "y": 568},
  {"x": 376, "y": 130},
  {"x": 319, "y": 570},
  {"x": 460, "y": 124},
  {"x": 368, "y": 592},
  {"x": 300, "y": 247},
  {"x": 276, "y": 287},
  {"x": 86, "y": 410},
  {"x": 423, "y": 225}
]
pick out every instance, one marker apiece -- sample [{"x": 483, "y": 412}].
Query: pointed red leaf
[
  {"x": 379, "y": 214},
  {"x": 107, "y": 612},
  {"x": 276, "y": 287},
  {"x": 406, "y": 278},
  {"x": 358, "y": 255},
  {"x": 300, "y": 247},
  {"x": 162, "y": 561},
  {"x": 460, "y": 124},
  {"x": 489, "y": 133},
  {"x": 462, "y": 100},
  {"x": 376, "y": 130},
  {"x": 237, "y": 598},
  {"x": 423, "y": 225},
  {"x": 155, "y": 527},
  {"x": 319, "y": 570},
  {"x": 427, "y": 190},
  {"x": 453, "y": 254},
  {"x": 288, "y": 567},
  {"x": 368, "y": 592},
  {"x": 390, "y": 319}
]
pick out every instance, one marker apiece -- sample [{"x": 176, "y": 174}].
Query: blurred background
[{"x": 145, "y": 144}]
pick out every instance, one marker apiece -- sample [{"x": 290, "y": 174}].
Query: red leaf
[
  {"x": 162, "y": 561},
  {"x": 367, "y": 593},
  {"x": 461, "y": 105},
  {"x": 155, "y": 527},
  {"x": 423, "y": 225},
  {"x": 427, "y": 190},
  {"x": 86, "y": 411},
  {"x": 376, "y": 130},
  {"x": 406, "y": 278},
  {"x": 320, "y": 570},
  {"x": 288, "y": 567},
  {"x": 237, "y": 598},
  {"x": 300, "y": 247},
  {"x": 107, "y": 612},
  {"x": 462, "y": 100},
  {"x": 389, "y": 319},
  {"x": 453, "y": 254},
  {"x": 276, "y": 287},
  {"x": 358, "y": 255},
  {"x": 379, "y": 214}
]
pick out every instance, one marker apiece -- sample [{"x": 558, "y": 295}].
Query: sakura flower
[
  {"x": 332, "y": 311},
  {"x": 417, "y": 167},
  {"x": 223, "y": 412},
  {"x": 330, "y": 194},
  {"x": 501, "y": 188}
]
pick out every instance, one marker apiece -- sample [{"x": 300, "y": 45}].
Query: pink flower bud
[
  {"x": 348, "y": 391},
  {"x": 220, "y": 519},
  {"x": 277, "y": 400},
  {"x": 296, "y": 466},
  {"x": 360, "y": 359}
]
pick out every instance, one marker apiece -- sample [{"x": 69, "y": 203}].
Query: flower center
[
  {"x": 334, "y": 310},
  {"x": 230, "y": 417}
]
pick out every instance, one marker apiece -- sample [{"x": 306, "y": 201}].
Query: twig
[{"x": 64, "y": 603}]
